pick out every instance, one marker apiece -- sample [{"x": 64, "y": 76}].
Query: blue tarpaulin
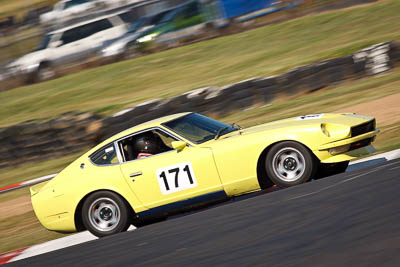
[{"x": 235, "y": 8}]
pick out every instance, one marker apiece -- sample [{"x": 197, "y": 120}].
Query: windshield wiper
[
  {"x": 238, "y": 126},
  {"x": 220, "y": 131}
]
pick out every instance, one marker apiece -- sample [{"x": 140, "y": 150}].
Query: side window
[
  {"x": 45, "y": 42},
  {"x": 145, "y": 144},
  {"x": 74, "y": 3},
  {"x": 84, "y": 31},
  {"x": 189, "y": 16},
  {"x": 105, "y": 156},
  {"x": 167, "y": 139},
  {"x": 97, "y": 26},
  {"x": 129, "y": 17},
  {"x": 191, "y": 10},
  {"x": 70, "y": 36}
]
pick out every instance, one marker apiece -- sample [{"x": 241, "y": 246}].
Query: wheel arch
[
  {"x": 262, "y": 176},
  {"x": 34, "y": 76},
  {"x": 45, "y": 63},
  {"x": 78, "y": 211}
]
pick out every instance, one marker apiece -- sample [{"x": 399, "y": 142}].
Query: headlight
[
  {"x": 336, "y": 131},
  {"x": 20, "y": 68},
  {"x": 147, "y": 38},
  {"x": 324, "y": 130},
  {"x": 14, "y": 69}
]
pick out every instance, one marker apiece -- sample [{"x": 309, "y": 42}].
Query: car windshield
[
  {"x": 156, "y": 19},
  {"x": 72, "y": 3},
  {"x": 44, "y": 43},
  {"x": 198, "y": 128},
  {"x": 169, "y": 15},
  {"x": 146, "y": 21}
]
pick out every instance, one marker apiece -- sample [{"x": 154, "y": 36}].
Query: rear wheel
[
  {"x": 105, "y": 213},
  {"x": 129, "y": 52},
  {"x": 289, "y": 163}
]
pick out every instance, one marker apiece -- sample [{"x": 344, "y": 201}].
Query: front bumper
[
  {"x": 359, "y": 145},
  {"x": 354, "y": 154}
]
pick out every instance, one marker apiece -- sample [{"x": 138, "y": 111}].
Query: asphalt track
[{"x": 350, "y": 219}]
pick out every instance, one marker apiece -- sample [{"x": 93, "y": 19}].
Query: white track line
[
  {"x": 394, "y": 154},
  {"x": 342, "y": 182},
  {"x": 57, "y": 244}
]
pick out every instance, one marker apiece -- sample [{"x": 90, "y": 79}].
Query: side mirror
[{"x": 178, "y": 145}]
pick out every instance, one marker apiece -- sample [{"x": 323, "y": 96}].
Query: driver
[{"x": 148, "y": 144}]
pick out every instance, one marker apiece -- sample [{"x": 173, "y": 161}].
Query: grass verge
[
  {"x": 19, "y": 8},
  {"x": 18, "y": 49},
  {"x": 22, "y": 231}
]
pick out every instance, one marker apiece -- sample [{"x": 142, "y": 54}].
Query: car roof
[
  {"x": 84, "y": 23},
  {"x": 140, "y": 127}
]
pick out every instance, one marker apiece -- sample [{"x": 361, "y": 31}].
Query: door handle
[{"x": 132, "y": 175}]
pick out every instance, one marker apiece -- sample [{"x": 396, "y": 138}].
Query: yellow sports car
[{"x": 187, "y": 160}]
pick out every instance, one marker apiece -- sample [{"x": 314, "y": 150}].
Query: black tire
[
  {"x": 129, "y": 52},
  {"x": 45, "y": 72},
  {"x": 329, "y": 169},
  {"x": 140, "y": 223},
  {"x": 105, "y": 213},
  {"x": 289, "y": 163}
]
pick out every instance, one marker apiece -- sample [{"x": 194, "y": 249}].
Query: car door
[
  {"x": 172, "y": 176},
  {"x": 104, "y": 30},
  {"x": 72, "y": 44}
]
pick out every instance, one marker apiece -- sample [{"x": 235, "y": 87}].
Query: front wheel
[
  {"x": 289, "y": 163},
  {"x": 105, "y": 213},
  {"x": 45, "y": 72}
]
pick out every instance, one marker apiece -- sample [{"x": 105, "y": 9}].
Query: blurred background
[
  {"x": 52, "y": 38},
  {"x": 73, "y": 72}
]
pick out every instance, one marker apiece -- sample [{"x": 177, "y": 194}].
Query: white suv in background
[
  {"x": 68, "y": 45},
  {"x": 68, "y": 9}
]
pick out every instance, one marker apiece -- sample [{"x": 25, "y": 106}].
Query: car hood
[
  {"x": 339, "y": 126},
  {"x": 31, "y": 58},
  {"x": 343, "y": 119}
]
